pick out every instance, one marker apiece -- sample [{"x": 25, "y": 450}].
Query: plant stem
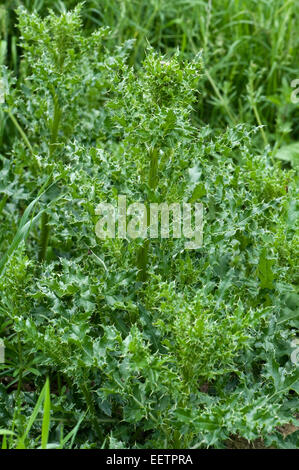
[
  {"x": 224, "y": 104},
  {"x": 3, "y": 202},
  {"x": 45, "y": 230},
  {"x": 142, "y": 255},
  {"x": 44, "y": 238},
  {"x": 55, "y": 125},
  {"x": 257, "y": 116},
  {"x": 18, "y": 393},
  {"x": 90, "y": 405},
  {"x": 24, "y": 136}
]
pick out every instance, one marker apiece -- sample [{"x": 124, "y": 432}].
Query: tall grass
[
  {"x": 232, "y": 34},
  {"x": 249, "y": 50}
]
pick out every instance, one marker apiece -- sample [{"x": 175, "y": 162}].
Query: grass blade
[{"x": 46, "y": 418}]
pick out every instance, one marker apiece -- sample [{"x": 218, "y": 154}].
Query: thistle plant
[
  {"x": 152, "y": 114},
  {"x": 202, "y": 354},
  {"x": 65, "y": 84}
]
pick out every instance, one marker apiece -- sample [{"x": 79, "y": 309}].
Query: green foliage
[
  {"x": 246, "y": 45},
  {"x": 197, "y": 349}
]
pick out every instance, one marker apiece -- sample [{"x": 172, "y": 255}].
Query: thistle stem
[
  {"x": 44, "y": 238},
  {"x": 142, "y": 255},
  {"x": 45, "y": 230}
]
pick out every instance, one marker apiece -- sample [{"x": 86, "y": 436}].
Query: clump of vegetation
[{"x": 130, "y": 343}]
